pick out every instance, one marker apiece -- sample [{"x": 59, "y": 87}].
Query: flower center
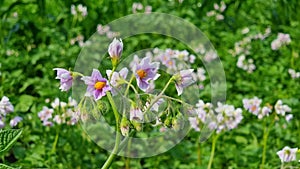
[
  {"x": 253, "y": 108},
  {"x": 142, "y": 74},
  {"x": 99, "y": 85}
]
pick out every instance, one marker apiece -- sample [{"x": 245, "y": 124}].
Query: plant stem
[
  {"x": 159, "y": 95},
  {"x": 127, "y": 162},
  {"x": 265, "y": 137},
  {"x": 282, "y": 165},
  {"x": 198, "y": 153},
  {"x": 213, "y": 147},
  {"x": 115, "y": 150},
  {"x": 55, "y": 142},
  {"x": 128, "y": 84}
]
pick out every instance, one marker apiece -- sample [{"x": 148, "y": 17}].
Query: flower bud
[
  {"x": 137, "y": 125},
  {"x": 124, "y": 127},
  {"x": 115, "y": 50}
]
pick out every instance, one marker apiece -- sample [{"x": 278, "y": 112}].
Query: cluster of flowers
[
  {"x": 287, "y": 154},
  {"x": 138, "y": 7},
  {"x": 245, "y": 64},
  {"x": 144, "y": 71},
  {"x": 79, "y": 10},
  {"x": 294, "y": 74},
  {"x": 226, "y": 117},
  {"x": 208, "y": 56},
  {"x": 105, "y": 30},
  {"x": 173, "y": 59},
  {"x": 60, "y": 112},
  {"x": 217, "y": 12},
  {"x": 80, "y": 40},
  {"x": 6, "y": 108},
  {"x": 281, "y": 40},
  {"x": 254, "y": 106},
  {"x": 242, "y": 49}
]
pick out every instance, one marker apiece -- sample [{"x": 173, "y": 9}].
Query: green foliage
[{"x": 38, "y": 40}]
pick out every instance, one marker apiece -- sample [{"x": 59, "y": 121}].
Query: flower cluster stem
[
  {"x": 213, "y": 147},
  {"x": 55, "y": 142},
  {"x": 198, "y": 153},
  {"x": 265, "y": 139}
]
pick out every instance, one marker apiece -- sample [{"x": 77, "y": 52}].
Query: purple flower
[
  {"x": 183, "y": 79},
  {"x": 13, "y": 122},
  {"x": 97, "y": 85},
  {"x": 65, "y": 78},
  {"x": 145, "y": 71},
  {"x": 115, "y": 50},
  {"x": 5, "y": 106}
]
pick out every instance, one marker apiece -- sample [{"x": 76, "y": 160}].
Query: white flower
[
  {"x": 183, "y": 79},
  {"x": 294, "y": 74},
  {"x": 45, "y": 114},
  {"x": 265, "y": 111},
  {"x": 136, "y": 114},
  {"x": 281, "y": 109},
  {"x": 57, "y": 119},
  {"x": 219, "y": 17},
  {"x": 201, "y": 74},
  {"x": 252, "y": 105},
  {"x": 287, "y": 154},
  {"x": 194, "y": 123},
  {"x": 288, "y": 117},
  {"x": 72, "y": 102},
  {"x": 13, "y": 122},
  {"x": 282, "y": 39},
  {"x": 245, "y": 30}
]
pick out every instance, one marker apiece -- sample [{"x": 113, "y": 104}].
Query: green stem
[
  {"x": 265, "y": 137},
  {"x": 213, "y": 147},
  {"x": 55, "y": 142},
  {"x": 160, "y": 95},
  {"x": 130, "y": 81},
  {"x": 282, "y": 165},
  {"x": 133, "y": 88},
  {"x": 167, "y": 85},
  {"x": 115, "y": 150},
  {"x": 171, "y": 98},
  {"x": 199, "y": 153},
  {"x": 127, "y": 162}
]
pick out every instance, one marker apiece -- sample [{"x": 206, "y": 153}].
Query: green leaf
[
  {"x": 241, "y": 140},
  {"x": 3, "y": 166},
  {"x": 25, "y": 102},
  {"x": 8, "y": 138}
]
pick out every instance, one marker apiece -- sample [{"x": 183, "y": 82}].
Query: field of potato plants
[{"x": 124, "y": 84}]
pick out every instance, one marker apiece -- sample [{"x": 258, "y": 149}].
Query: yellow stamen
[
  {"x": 99, "y": 85},
  {"x": 142, "y": 74}
]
